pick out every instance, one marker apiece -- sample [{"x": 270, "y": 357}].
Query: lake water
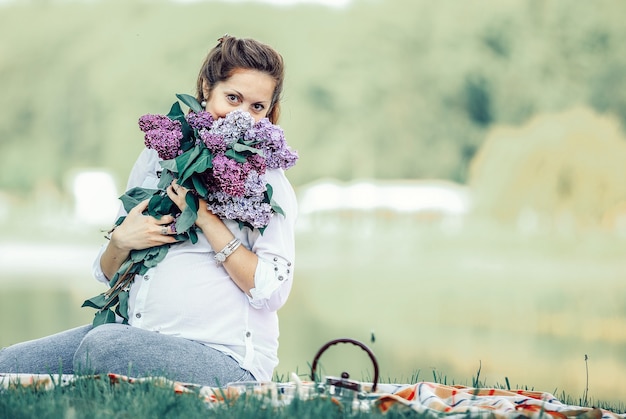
[{"x": 440, "y": 304}]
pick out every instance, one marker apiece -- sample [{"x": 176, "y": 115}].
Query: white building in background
[
  {"x": 431, "y": 200},
  {"x": 95, "y": 197}
]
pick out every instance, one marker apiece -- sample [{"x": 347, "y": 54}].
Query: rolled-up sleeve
[
  {"x": 275, "y": 248},
  {"x": 97, "y": 269}
]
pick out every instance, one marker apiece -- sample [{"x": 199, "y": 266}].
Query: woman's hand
[
  {"x": 136, "y": 232},
  {"x": 139, "y": 231},
  {"x": 177, "y": 194}
]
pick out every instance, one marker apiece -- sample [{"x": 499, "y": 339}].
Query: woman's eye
[
  {"x": 232, "y": 98},
  {"x": 258, "y": 107}
]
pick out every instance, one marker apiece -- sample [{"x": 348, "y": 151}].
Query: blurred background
[{"x": 462, "y": 174}]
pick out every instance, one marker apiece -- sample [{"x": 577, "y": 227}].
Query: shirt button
[
  {"x": 280, "y": 278},
  {"x": 138, "y": 315},
  {"x": 248, "y": 334},
  {"x": 146, "y": 277}
]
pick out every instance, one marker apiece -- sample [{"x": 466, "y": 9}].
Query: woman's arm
[
  {"x": 268, "y": 265},
  {"x": 137, "y": 231}
]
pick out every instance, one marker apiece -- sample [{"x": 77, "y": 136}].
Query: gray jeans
[{"x": 122, "y": 349}]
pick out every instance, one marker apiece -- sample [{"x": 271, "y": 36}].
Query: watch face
[{"x": 220, "y": 257}]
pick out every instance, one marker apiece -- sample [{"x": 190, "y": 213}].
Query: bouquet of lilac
[{"x": 222, "y": 161}]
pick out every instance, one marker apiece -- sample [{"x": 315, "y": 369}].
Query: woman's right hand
[
  {"x": 139, "y": 231},
  {"x": 136, "y": 232}
]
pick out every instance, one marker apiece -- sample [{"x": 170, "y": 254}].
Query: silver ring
[{"x": 164, "y": 230}]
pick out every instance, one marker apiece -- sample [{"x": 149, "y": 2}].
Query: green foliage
[
  {"x": 565, "y": 170},
  {"x": 427, "y": 78},
  {"x": 93, "y": 399}
]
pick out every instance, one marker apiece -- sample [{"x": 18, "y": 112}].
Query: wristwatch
[{"x": 221, "y": 256}]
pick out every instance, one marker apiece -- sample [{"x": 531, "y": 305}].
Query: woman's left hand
[{"x": 177, "y": 194}]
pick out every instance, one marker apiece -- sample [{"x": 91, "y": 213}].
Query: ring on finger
[{"x": 164, "y": 230}]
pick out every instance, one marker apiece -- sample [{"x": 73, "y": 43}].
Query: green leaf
[
  {"x": 166, "y": 178},
  {"x": 243, "y": 148},
  {"x": 188, "y": 217},
  {"x": 136, "y": 195},
  {"x": 122, "y": 308},
  {"x": 160, "y": 205},
  {"x": 169, "y": 165},
  {"x": 202, "y": 163},
  {"x": 185, "y": 160},
  {"x": 137, "y": 255},
  {"x": 96, "y": 302},
  {"x": 190, "y": 101},
  {"x": 176, "y": 112},
  {"x": 199, "y": 161},
  {"x": 269, "y": 191},
  {"x": 193, "y": 235},
  {"x": 275, "y": 206},
  {"x": 103, "y": 317},
  {"x": 199, "y": 186},
  {"x": 157, "y": 255},
  {"x": 239, "y": 158}
]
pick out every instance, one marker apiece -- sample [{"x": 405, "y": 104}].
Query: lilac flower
[
  {"x": 200, "y": 120},
  {"x": 272, "y": 141},
  {"x": 251, "y": 210},
  {"x": 230, "y": 175},
  {"x": 212, "y": 141},
  {"x": 283, "y": 158},
  {"x": 151, "y": 122},
  {"x": 233, "y": 177},
  {"x": 270, "y": 135},
  {"x": 161, "y": 134},
  {"x": 233, "y": 127},
  {"x": 255, "y": 184},
  {"x": 257, "y": 163}
]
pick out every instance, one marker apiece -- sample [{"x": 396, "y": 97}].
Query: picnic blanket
[{"x": 430, "y": 399}]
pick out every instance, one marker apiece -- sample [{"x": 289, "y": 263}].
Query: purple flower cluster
[
  {"x": 233, "y": 126},
  {"x": 272, "y": 141},
  {"x": 161, "y": 134},
  {"x": 200, "y": 120},
  {"x": 251, "y": 209},
  {"x": 237, "y": 188}
]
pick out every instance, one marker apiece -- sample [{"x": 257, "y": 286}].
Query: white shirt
[{"x": 189, "y": 295}]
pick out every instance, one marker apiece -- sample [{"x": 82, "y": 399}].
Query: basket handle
[{"x": 354, "y": 342}]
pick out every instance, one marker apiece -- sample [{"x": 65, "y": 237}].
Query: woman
[{"x": 207, "y": 313}]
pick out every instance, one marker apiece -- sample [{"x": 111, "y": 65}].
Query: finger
[
  {"x": 141, "y": 207},
  {"x": 166, "y": 219},
  {"x": 178, "y": 189},
  {"x": 168, "y": 229}
]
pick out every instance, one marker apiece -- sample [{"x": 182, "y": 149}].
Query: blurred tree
[
  {"x": 566, "y": 170},
  {"x": 393, "y": 89}
]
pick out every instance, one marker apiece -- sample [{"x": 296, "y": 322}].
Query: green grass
[{"x": 92, "y": 398}]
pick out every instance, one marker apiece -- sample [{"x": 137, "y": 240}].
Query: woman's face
[{"x": 246, "y": 90}]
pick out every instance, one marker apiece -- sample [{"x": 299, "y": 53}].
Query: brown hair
[{"x": 230, "y": 54}]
